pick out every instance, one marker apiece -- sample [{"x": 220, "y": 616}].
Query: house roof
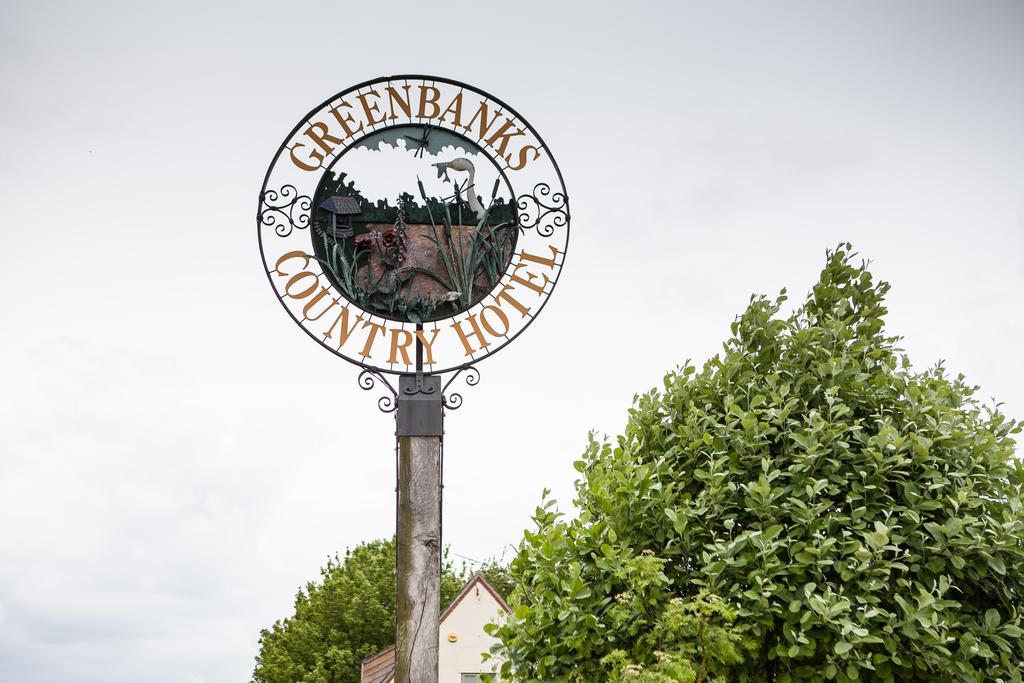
[
  {"x": 478, "y": 577},
  {"x": 343, "y": 206},
  {"x": 381, "y": 667}
]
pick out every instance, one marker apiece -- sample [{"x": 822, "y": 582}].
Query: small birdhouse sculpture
[{"x": 341, "y": 210}]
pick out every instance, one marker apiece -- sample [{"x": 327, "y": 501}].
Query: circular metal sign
[{"x": 413, "y": 214}]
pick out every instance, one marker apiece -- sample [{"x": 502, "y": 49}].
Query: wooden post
[
  {"x": 419, "y": 559},
  {"x": 419, "y": 417}
]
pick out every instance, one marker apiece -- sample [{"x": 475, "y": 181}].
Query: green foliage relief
[
  {"x": 483, "y": 256},
  {"x": 804, "y": 507}
]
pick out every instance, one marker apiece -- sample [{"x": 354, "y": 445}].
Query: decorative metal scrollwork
[
  {"x": 368, "y": 380},
  {"x": 535, "y": 208},
  {"x": 421, "y": 388},
  {"x": 280, "y": 207},
  {"x": 453, "y": 400}
]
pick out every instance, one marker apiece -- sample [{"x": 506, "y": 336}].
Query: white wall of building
[{"x": 466, "y": 623}]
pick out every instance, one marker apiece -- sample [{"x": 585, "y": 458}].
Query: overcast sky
[{"x": 177, "y": 457}]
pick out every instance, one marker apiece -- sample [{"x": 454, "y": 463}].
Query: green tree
[
  {"x": 859, "y": 519},
  {"x": 341, "y": 620}
]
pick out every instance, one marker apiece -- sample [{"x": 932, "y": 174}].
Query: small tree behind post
[{"x": 420, "y": 425}]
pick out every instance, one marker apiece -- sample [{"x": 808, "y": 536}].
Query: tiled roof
[
  {"x": 343, "y": 206},
  {"x": 379, "y": 668}
]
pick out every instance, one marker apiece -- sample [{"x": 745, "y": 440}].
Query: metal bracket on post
[{"x": 420, "y": 407}]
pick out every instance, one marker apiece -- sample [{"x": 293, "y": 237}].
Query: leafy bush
[
  {"x": 692, "y": 640},
  {"x": 857, "y": 518}
]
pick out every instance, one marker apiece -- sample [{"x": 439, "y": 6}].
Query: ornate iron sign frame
[{"x": 324, "y": 288}]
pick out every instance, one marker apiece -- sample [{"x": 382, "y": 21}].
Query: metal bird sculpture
[{"x": 462, "y": 164}]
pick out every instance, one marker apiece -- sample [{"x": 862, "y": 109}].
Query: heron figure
[{"x": 463, "y": 164}]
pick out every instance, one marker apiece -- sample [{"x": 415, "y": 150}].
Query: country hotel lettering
[
  {"x": 483, "y": 121},
  {"x": 475, "y": 331}
]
